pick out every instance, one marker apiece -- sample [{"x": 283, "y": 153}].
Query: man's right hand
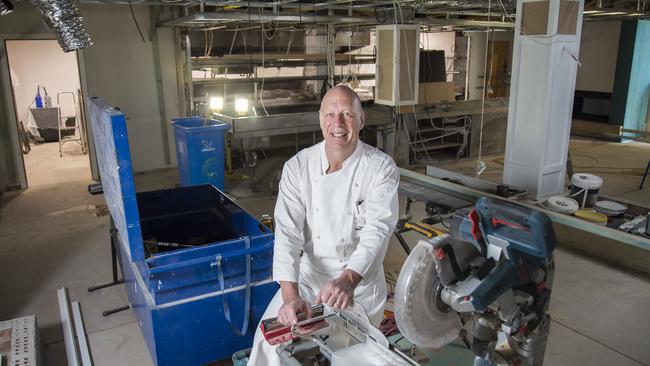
[{"x": 293, "y": 305}]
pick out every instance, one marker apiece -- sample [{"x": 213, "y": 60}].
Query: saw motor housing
[
  {"x": 497, "y": 266},
  {"x": 495, "y": 269}
]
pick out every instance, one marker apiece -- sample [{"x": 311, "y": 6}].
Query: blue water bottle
[{"x": 38, "y": 100}]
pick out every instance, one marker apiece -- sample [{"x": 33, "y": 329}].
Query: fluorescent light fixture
[
  {"x": 241, "y": 105},
  {"x": 216, "y": 103},
  {"x": 6, "y": 7}
]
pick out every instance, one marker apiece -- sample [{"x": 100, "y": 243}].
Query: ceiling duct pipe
[
  {"x": 63, "y": 17},
  {"x": 6, "y": 7}
]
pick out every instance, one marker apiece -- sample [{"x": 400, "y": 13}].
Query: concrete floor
[
  {"x": 55, "y": 234},
  {"x": 620, "y": 165}
]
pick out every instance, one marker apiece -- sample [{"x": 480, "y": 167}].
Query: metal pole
[{"x": 68, "y": 332}]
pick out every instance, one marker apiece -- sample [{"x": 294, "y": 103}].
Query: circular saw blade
[{"x": 416, "y": 313}]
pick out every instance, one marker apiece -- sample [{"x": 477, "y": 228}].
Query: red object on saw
[{"x": 275, "y": 332}]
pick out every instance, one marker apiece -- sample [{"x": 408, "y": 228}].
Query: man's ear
[{"x": 362, "y": 120}]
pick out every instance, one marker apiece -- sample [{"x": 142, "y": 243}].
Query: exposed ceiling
[{"x": 365, "y": 13}]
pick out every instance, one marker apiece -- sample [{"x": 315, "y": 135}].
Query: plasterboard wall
[{"x": 598, "y": 54}]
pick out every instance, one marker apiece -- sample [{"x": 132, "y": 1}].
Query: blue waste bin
[{"x": 200, "y": 150}]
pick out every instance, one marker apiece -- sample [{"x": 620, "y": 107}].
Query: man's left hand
[{"x": 339, "y": 292}]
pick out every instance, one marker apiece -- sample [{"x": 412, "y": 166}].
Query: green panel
[
  {"x": 623, "y": 71},
  {"x": 639, "y": 87}
]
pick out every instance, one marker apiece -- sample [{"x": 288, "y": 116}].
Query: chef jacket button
[
  {"x": 318, "y": 237},
  {"x": 316, "y": 209},
  {"x": 342, "y": 240},
  {"x": 356, "y": 184}
]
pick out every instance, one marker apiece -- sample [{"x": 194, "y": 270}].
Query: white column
[{"x": 546, "y": 45}]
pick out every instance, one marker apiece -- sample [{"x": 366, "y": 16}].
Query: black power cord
[{"x": 136, "y": 22}]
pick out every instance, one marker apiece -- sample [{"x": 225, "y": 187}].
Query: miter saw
[{"x": 488, "y": 280}]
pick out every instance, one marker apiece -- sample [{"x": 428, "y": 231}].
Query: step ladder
[{"x": 77, "y": 135}]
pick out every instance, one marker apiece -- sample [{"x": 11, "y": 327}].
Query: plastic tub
[{"x": 200, "y": 150}]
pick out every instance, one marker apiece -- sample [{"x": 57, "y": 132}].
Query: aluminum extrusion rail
[{"x": 472, "y": 194}]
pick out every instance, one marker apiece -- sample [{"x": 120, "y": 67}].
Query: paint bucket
[{"x": 585, "y": 188}]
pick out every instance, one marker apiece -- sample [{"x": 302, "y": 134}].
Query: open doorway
[{"x": 48, "y": 106}]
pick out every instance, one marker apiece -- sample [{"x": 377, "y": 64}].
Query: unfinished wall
[
  {"x": 598, "y": 45},
  {"x": 444, "y": 41},
  {"x": 25, "y": 20},
  {"x": 119, "y": 68},
  {"x": 41, "y": 62}
]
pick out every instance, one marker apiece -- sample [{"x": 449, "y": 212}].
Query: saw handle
[{"x": 525, "y": 229}]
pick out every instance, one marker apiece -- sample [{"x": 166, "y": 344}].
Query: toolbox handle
[{"x": 247, "y": 301}]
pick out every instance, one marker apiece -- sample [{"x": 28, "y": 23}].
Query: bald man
[{"x": 336, "y": 209}]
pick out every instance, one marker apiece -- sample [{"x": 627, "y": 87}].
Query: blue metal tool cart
[{"x": 197, "y": 267}]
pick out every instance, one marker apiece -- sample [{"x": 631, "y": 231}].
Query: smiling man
[{"x": 336, "y": 209}]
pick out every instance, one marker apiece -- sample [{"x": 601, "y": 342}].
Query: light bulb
[
  {"x": 241, "y": 105},
  {"x": 216, "y": 103}
]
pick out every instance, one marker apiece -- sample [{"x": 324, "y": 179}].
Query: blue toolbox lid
[{"x": 108, "y": 127}]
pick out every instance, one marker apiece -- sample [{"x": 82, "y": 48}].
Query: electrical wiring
[
  {"x": 410, "y": 142},
  {"x": 232, "y": 45},
  {"x": 436, "y": 137},
  {"x": 261, "y": 94},
  {"x": 291, "y": 36},
  {"x": 480, "y": 165},
  {"x": 136, "y": 22},
  {"x": 466, "y": 126},
  {"x": 264, "y": 29}
]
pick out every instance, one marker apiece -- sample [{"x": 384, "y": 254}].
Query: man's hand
[
  {"x": 293, "y": 304},
  {"x": 339, "y": 292}
]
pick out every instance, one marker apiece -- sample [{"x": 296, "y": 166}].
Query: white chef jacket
[
  {"x": 341, "y": 220},
  {"x": 326, "y": 223}
]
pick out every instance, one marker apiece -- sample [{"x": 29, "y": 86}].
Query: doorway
[
  {"x": 498, "y": 56},
  {"x": 48, "y": 106}
]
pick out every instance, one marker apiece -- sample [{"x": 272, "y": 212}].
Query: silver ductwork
[
  {"x": 6, "y": 7},
  {"x": 64, "y": 18}
]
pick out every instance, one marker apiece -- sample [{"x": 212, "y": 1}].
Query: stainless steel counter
[{"x": 297, "y": 122}]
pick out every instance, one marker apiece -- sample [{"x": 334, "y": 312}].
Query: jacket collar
[{"x": 325, "y": 164}]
